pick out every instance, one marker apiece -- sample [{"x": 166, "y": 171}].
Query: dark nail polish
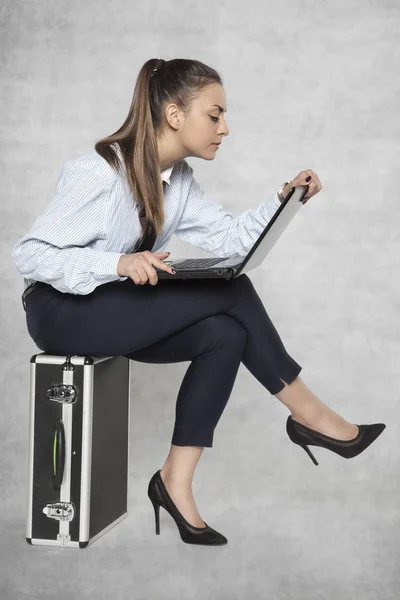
[
  {"x": 173, "y": 271},
  {"x": 308, "y": 178}
]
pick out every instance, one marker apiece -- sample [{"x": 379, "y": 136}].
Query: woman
[{"x": 92, "y": 299}]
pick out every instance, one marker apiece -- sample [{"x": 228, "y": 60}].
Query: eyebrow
[{"x": 220, "y": 108}]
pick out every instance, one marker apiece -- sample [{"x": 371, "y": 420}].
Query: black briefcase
[{"x": 78, "y": 461}]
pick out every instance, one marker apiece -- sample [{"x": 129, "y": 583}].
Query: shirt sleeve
[
  {"x": 58, "y": 249},
  {"x": 205, "y": 224}
]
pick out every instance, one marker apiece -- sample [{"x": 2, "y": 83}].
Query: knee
[
  {"x": 226, "y": 331},
  {"x": 244, "y": 281}
]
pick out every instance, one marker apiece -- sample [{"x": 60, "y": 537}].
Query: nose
[{"x": 223, "y": 130}]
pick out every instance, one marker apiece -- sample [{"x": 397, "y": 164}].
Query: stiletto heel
[
  {"x": 157, "y": 515},
  {"x": 302, "y": 435},
  {"x": 190, "y": 534},
  {"x": 310, "y": 454}
]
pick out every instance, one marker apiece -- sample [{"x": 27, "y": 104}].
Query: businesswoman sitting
[{"x": 89, "y": 261}]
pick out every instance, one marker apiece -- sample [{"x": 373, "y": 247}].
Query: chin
[
  {"x": 212, "y": 153},
  {"x": 208, "y": 154}
]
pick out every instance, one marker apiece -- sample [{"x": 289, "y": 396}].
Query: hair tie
[{"x": 160, "y": 62}]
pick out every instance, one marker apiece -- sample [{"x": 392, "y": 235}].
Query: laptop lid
[{"x": 272, "y": 232}]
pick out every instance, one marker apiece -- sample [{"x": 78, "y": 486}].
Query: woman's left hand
[{"x": 314, "y": 184}]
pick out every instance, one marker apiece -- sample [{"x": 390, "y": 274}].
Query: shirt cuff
[
  {"x": 275, "y": 201},
  {"x": 106, "y": 266}
]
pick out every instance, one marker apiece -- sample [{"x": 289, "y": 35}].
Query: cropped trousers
[{"x": 214, "y": 323}]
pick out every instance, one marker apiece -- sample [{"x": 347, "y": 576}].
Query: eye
[{"x": 215, "y": 119}]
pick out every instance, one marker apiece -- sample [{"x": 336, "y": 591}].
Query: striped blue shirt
[{"x": 92, "y": 219}]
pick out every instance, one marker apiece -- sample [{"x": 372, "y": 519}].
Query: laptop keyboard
[{"x": 195, "y": 262}]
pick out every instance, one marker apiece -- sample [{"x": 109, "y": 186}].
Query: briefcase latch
[
  {"x": 61, "y": 511},
  {"x": 63, "y": 393}
]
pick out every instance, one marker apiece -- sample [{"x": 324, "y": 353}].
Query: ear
[{"x": 172, "y": 116}]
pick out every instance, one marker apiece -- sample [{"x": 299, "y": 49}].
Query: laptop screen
[{"x": 274, "y": 229}]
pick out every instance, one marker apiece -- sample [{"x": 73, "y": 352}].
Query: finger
[
  {"x": 300, "y": 179},
  {"x": 161, "y": 265},
  {"x": 142, "y": 272},
  {"x": 311, "y": 191},
  {"x": 168, "y": 268},
  {"x": 136, "y": 276},
  {"x": 152, "y": 275},
  {"x": 314, "y": 179}
]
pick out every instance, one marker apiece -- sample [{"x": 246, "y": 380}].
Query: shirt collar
[{"x": 166, "y": 174}]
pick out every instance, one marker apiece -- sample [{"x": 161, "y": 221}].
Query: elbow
[{"x": 21, "y": 263}]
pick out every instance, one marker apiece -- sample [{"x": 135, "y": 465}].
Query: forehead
[{"x": 213, "y": 97}]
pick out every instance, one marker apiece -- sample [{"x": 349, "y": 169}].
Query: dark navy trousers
[{"x": 214, "y": 323}]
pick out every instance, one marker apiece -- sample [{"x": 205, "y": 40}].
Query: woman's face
[{"x": 204, "y": 124}]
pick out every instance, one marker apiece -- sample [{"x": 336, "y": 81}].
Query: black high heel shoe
[
  {"x": 302, "y": 435},
  {"x": 190, "y": 534}
]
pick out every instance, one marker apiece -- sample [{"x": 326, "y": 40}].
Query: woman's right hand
[{"x": 138, "y": 266}]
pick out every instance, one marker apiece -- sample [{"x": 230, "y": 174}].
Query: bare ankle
[
  {"x": 175, "y": 481},
  {"x": 309, "y": 418}
]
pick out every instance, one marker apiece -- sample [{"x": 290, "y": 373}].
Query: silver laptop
[{"x": 226, "y": 268}]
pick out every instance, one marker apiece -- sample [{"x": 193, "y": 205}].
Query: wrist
[
  {"x": 283, "y": 190},
  {"x": 121, "y": 266},
  {"x": 286, "y": 189}
]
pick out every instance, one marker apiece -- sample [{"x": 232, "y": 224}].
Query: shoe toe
[
  {"x": 370, "y": 433},
  {"x": 218, "y": 539},
  {"x": 379, "y": 427},
  {"x": 374, "y": 428}
]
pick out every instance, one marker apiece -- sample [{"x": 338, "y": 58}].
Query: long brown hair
[{"x": 175, "y": 81}]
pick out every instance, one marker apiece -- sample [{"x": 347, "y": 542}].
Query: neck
[{"x": 170, "y": 151}]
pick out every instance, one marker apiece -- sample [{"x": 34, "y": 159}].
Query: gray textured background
[{"x": 309, "y": 85}]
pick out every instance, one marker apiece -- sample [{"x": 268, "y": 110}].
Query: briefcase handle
[{"x": 58, "y": 454}]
